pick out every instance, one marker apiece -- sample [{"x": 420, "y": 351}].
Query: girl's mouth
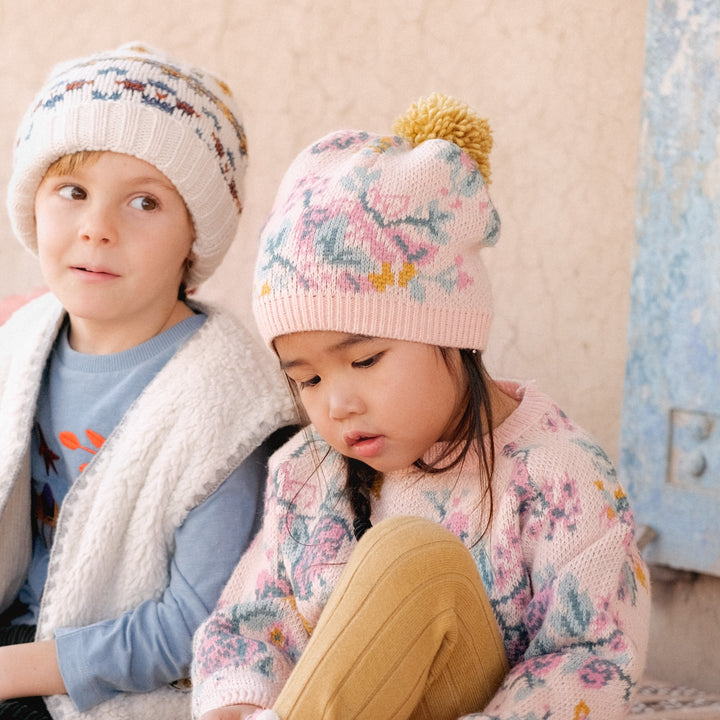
[{"x": 365, "y": 446}]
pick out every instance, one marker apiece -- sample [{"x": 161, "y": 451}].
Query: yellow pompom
[{"x": 444, "y": 117}]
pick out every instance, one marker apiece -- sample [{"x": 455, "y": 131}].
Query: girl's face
[{"x": 384, "y": 402}]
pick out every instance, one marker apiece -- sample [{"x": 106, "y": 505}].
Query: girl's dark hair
[{"x": 472, "y": 430}]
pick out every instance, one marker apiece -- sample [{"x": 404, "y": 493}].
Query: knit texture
[
  {"x": 138, "y": 101},
  {"x": 175, "y": 445},
  {"x": 380, "y": 236},
  {"x": 566, "y": 583}
]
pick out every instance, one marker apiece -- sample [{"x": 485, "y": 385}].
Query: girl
[{"x": 436, "y": 544}]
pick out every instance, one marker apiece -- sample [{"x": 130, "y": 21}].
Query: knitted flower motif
[
  {"x": 277, "y": 637},
  {"x": 597, "y": 673},
  {"x": 307, "y": 569},
  {"x": 339, "y": 141},
  {"x": 363, "y": 240}
]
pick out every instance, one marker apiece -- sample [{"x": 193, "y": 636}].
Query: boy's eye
[
  {"x": 72, "y": 192},
  {"x": 145, "y": 202}
]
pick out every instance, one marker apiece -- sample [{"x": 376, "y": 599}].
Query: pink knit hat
[{"x": 381, "y": 235}]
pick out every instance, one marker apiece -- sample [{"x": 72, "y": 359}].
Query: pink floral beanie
[{"x": 381, "y": 235}]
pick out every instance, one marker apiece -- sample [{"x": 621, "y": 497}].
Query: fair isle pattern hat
[
  {"x": 381, "y": 235},
  {"x": 138, "y": 101}
]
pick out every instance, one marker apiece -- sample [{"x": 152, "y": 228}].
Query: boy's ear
[
  {"x": 189, "y": 261},
  {"x": 187, "y": 266}
]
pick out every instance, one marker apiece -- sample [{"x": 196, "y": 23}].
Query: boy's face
[{"x": 113, "y": 237}]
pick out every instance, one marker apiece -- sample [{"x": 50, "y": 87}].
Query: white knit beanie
[{"x": 137, "y": 101}]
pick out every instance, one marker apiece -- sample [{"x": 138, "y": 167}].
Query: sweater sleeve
[
  {"x": 151, "y": 645},
  {"x": 581, "y": 612},
  {"x": 247, "y": 648}
]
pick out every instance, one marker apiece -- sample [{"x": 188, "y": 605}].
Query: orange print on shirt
[{"x": 70, "y": 440}]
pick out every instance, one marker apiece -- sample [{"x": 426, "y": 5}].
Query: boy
[{"x": 135, "y": 423}]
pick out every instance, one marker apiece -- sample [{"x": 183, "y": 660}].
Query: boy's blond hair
[{"x": 68, "y": 164}]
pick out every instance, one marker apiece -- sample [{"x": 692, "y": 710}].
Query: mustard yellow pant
[{"x": 407, "y": 633}]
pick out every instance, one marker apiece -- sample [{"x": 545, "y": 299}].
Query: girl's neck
[{"x": 502, "y": 404}]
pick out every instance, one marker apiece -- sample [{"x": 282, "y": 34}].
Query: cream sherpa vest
[{"x": 211, "y": 405}]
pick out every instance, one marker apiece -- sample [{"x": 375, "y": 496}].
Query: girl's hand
[{"x": 231, "y": 712}]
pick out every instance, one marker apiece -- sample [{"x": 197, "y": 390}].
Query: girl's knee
[{"x": 409, "y": 539}]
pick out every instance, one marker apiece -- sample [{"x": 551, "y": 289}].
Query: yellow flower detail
[
  {"x": 277, "y": 637},
  {"x": 582, "y": 711},
  {"x": 406, "y": 274},
  {"x": 383, "y": 144},
  {"x": 599, "y": 485},
  {"x": 640, "y": 575},
  {"x": 265, "y": 289},
  {"x": 619, "y": 494},
  {"x": 307, "y": 625},
  {"x": 381, "y": 282}
]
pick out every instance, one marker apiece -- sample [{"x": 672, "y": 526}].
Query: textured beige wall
[{"x": 560, "y": 82}]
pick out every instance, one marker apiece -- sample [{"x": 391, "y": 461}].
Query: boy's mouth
[{"x": 99, "y": 271}]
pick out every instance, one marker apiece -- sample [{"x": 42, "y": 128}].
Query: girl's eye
[
  {"x": 72, "y": 192},
  {"x": 145, "y": 202},
  {"x": 368, "y": 362},
  {"x": 305, "y": 384}
]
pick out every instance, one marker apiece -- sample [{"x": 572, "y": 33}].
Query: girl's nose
[{"x": 344, "y": 401}]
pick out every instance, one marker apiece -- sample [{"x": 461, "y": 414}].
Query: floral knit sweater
[{"x": 560, "y": 566}]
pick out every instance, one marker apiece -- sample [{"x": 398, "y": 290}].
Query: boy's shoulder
[
  {"x": 235, "y": 335},
  {"x": 12, "y": 303},
  {"x": 32, "y": 328},
  {"x": 228, "y": 354},
  {"x": 18, "y": 309}
]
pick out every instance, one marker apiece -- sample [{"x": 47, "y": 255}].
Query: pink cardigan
[{"x": 560, "y": 566}]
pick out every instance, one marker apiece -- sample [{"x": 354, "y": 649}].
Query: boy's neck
[{"x": 105, "y": 338}]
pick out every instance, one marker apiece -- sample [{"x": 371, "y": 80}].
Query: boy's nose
[{"x": 98, "y": 225}]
